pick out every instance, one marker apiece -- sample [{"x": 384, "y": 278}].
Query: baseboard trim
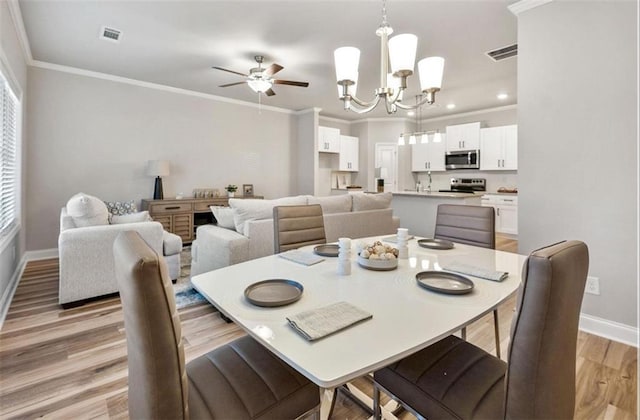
[
  {"x": 609, "y": 329},
  {"x": 7, "y": 297},
  {"x": 41, "y": 254}
]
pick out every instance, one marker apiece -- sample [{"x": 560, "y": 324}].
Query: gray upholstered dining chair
[
  {"x": 297, "y": 226},
  {"x": 240, "y": 380},
  {"x": 471, "y": 225},
  {"x": 454, "y": 379}
]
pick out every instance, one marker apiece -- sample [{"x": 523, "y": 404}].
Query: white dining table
[{"x": 406, "y": 316}]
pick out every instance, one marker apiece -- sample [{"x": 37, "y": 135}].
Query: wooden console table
[{"x": 183, "y": 216}]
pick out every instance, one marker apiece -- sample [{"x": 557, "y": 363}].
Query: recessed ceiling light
[
  {"x": 411, "y": 113},
  {"x": 451, "y": 106},
  {"x": 502, "y": 96}
]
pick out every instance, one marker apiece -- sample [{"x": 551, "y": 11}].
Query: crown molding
[
  {"x": 524, "y": 5},
  {"x": 156, "y": 86},
  {"x": 382, "y": 119},
  {"x": 307, "y": 111},
  {"x": 471, "y": 113},
  {"x": 18, "y": 23},
  {"x": 336, "y": 120}
]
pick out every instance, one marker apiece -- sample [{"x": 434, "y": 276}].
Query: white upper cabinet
[
  {"x": 463, "y": 137},
  {"x": 499, "y": 148},
  {"x": 328, "y": 140},
  {"x": 349, "y": 154},
  {"x": 428, "y": 156}
]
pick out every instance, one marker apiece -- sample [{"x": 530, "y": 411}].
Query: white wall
[
  {"x": 13, "y": 61},
  {"x": 578, "y": 155},
  {"x": 93, "y": 135}
]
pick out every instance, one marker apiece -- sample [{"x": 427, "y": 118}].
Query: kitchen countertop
[{"x": 436, "y": 194}]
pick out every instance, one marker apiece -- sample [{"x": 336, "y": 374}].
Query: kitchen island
[{"x": 417, "y": 210}]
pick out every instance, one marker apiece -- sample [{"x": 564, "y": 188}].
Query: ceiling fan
[{"x": 261, "y": 79}]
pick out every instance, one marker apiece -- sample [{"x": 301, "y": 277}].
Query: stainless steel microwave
[{"x": 462, "y": 159}]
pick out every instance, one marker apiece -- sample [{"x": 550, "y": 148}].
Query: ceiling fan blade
[
  {"x": 230, "y": 71},
  {"x": 233, "y": 84},
  {"x": 291, "y": 83},
  {"x": 272, "y": 69},
  {"x": 269, "y": 92}
]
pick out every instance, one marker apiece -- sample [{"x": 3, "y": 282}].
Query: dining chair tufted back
[
  {"x": 454, "y": 379},
  {"x": 297, "y": 226},
  {"x": 155, "y": 352},
  {"x": 239, "y": 380},
  {"x": 472, "y": 225},
  {"x": 542, "y": 350}
]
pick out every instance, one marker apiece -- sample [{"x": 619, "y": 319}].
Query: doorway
[{"x": 387, "y": 160}]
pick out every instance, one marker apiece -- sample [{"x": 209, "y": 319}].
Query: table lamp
[{"x": 158, "y": 168}]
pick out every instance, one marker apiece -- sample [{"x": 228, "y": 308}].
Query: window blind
[{"x": 8, "y": 157}]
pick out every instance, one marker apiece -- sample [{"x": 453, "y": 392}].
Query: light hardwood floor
[{"x": 72, "y": 364}]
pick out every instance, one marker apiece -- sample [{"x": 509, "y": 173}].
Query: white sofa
[
  {"x": 85, "y": 247},
  {"x": 250, "y": 234}
]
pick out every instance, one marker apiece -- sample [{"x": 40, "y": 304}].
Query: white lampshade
[
  {"x": 412, "y": 139},
  {"x": 346, "y": 61},
  {"x": 259, "y": 85},
  {"x": 402, "y": 52},
  {"x": 401, "y": 140},
  {"x": 431, "y": 70},
  {"x": 392, "y": 81},
  {"x": 425, "y": 138},
  {"x": 158, "y": 168},
  {"x": 437, "y": 138},
  {"x": 384, "y": 173}
]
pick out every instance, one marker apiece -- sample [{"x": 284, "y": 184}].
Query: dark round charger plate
[
  {"x": 327, "y": 250},
  {"x": 273, "y": 292},
  {"x": 435, "y": 243},
  {"x": 444, "y": 282}
]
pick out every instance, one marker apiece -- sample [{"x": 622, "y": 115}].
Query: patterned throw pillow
[
  {"x": 142, "y": 216},
  {"x": 118, "y": 208}
]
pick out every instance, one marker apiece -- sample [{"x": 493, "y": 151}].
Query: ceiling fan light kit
[
  {"x": 400, "y": 51},
  {"x": 260, "y": 79}
]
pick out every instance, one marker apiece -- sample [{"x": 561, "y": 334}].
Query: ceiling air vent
[
  {"x": 504, "y": 52},
  {"x": 110, "y": 34}
]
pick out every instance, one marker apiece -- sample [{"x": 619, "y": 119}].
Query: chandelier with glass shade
[{"x": 400, "y": 52}]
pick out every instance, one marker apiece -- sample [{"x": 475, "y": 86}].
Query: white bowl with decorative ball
[{"x": 378, "y": 264}]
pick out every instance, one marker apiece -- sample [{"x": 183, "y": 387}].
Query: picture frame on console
[{"x": 247, "y": 190}]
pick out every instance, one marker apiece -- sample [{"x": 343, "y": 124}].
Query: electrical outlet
[{"x": 593, "y": 286}]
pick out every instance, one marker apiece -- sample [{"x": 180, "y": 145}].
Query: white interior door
[{"x": 387, "y": 158}]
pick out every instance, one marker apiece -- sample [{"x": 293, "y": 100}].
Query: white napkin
[
  {"x": 477, "y": 271},
  {"x": 324, "y": 321},
  {"x": 301, "y": 257}
]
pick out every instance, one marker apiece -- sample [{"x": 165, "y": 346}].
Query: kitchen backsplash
[{"x": 441, "y": 180}]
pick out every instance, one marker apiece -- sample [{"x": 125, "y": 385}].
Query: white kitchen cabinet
[
  {"x": 499, "y": 148},
  {"x": 463, "y": 137},
  {"x": 506, "y": 207},
  {"x": 428, "y": 156},
  {"x": 328, "y": 140},
  {"x": 349, "y": 154}
]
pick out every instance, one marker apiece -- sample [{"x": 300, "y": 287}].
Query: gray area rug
[{"x": 185, "y": 294}]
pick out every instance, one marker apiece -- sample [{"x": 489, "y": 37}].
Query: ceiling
[{"x": 175, "y": 43}]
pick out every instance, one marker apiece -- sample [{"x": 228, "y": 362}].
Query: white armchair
[{"x": 87, "y": 267}]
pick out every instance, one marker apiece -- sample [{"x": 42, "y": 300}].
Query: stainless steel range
[{"x": 467, "y": 185}]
